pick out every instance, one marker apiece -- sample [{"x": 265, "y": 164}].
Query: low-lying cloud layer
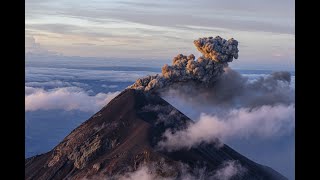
[
  {"x": 45, "y": 74},
  {"x": 55, "y": 84},
  {"x": 66, "y": 98}
]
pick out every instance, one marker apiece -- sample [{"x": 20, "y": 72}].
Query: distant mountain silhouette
[{"x": 123, "y": 136}]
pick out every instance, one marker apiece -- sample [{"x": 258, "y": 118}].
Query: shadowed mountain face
[{"x": 123, "y": 136}]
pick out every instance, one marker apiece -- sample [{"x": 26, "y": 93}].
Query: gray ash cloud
[{"x": 216, "y": 54}]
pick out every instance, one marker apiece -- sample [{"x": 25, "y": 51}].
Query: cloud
[
  {"x": 161, "y": 28},
  {"x": 67, "y": 98},
  {"x": 151, "y": 171},
  {"x": 31, "y": 46},
  {"x": 109, "y": 86},
  {"x": 53, "y": 73},
  {"x": 265, "y": 122},
  {"x": 54, "y": 84},
  {"x": 30, "y": 90},
  {"x": 228, "y": 170},
  {"x": 233, "y": 15},
  {"x": 141, "y": 174},
  {"x": 233, "y": 90}
]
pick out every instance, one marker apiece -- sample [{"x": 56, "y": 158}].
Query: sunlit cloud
[{"x": 78, "y": 99}]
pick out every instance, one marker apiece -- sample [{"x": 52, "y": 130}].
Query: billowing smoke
[
  {"x": 233, "y": 90},
  {"x": 216, "y": 54}
]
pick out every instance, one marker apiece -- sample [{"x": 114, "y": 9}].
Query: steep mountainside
[{"x": 123, "y": 136}]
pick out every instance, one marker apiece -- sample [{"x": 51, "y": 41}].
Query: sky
[{"x": 159, "y": 30}]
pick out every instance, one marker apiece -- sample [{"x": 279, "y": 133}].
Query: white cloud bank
[
  {"x": 67, "y": 98},
  {"x": 265, "y": 121}
]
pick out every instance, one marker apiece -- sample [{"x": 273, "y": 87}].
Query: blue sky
[{"x": 147, "y": 29}]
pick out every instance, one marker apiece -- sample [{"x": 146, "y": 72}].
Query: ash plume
[
  {"x": 216, "y": 54},
  {"x": 234, "y": 90}
]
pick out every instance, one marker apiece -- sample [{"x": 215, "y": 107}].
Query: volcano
[{"x": 123, "y": 136}]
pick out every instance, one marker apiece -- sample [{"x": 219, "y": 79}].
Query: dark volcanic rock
[{"x": 123, "y": 135}]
